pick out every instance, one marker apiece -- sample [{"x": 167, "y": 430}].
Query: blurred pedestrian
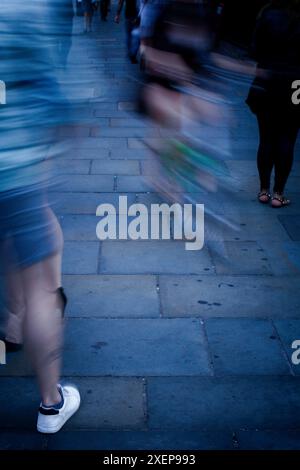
[
  {"x": 31, "y": 240},
  {"x": 132, "y": 23},
  {"x": 104, "y": 8},
  {"x": 63, "y": 14},
  {"x": 89, "y": 7},
  {"x": 276, "y": 47}
]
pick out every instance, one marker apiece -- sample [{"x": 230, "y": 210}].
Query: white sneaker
[{"x": 51, "y": 420}]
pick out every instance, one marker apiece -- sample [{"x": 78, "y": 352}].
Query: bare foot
[
  {"x": 278, "y": 201},
  {"x": 264, "y": 196}
]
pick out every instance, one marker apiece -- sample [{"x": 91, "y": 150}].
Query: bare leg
[
  {"x": 43, "y": 329},
  {"x": 15, "y": 301},
  {"x": 15, "y": 307}
]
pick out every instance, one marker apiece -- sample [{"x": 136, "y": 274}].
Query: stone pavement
[{"x": 171, "y": 349}]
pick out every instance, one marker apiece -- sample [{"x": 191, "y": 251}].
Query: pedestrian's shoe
[
  {"x": 12, "y": 347},
  {"x": 278, "y": 201},
  {"x": 264, "y": 197},
  {"x": 52, "y": 418}
]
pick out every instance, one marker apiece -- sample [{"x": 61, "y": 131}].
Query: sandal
[
  {"x": 264, "y": 197},
  {"x": 279, "y": 201}
]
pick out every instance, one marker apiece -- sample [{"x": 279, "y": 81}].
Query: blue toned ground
[{"x": 171, "y": 349}]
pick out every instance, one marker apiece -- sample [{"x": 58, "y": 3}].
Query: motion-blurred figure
[
  {"x": 183, "y": 94},
  {"x": 88, "y": 7},
  {"x": 132, "y": 23},
  {"x": 63, "y": 12},
  {"x": 276, "y": 48},
  {"x": 31, "y": 240},
  {"x": 104, "y": 8}
]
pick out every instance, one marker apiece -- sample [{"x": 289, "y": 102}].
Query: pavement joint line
[
  {"x": 235, "y": 440},
  {"x": 140, "y": 167},
  {"x": 99, "y": 258},
  {"x": 158, "y": 291},
  {"x": 116, "y": 179},
  {"x": 282, "y": 347},
  {"x": 208, "y": 348},
  {"x": 145, "y": 402}
]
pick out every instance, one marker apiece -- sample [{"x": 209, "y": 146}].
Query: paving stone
[
  {"x": 289, "y": 331},
  {"x": 105, "y": 167},
  {"x": 80, "y": 257},
  {"x": 22, "y": 413},
  {"x": 245, "y": 347},
  {"x": 242, "y": 168},
  {"x": 155, "y": 257},
  {"x": 251, "y": 184},
  {"x": 291, "y": 223},
  {"x": 74, "y": 131},
  {"x": 105, "y": 107},
  {"x": 106, "y": 403},
  {"x": 87, "y": 203},
  {"x": 18, "y": 440},
  {"x": 283, "y": 257},
  {"x": 259, "y": 227},
  {"x": 224, "y": 403},
  {"x": 112, "y": 296},
  {"x": 206, "y": 133},
  {"x": 79, "y": 227},
  {"x": 136, "y": 143},
  {"x": 248, "y": 227},
  {"x": 131, "y": 122},
  {"x": 127, "y": 105},
  {"x": 130, "y": 154},
  {"x": 118, "y": 132},
  {"x": 229, "y": 296},
  {"x": 97, "y": 143},
  {"x": 135, "y": 184},
  {"x": 150, "y": 198},
  {"x": 87, "y": 153},
  {"x": 111, "y": 113},
  {"x": 68, "y": 167},
  {"x": 141, "y": 440},
  {"x": 269, "y": 440},
  {"x": 240, "y": 258},
  {"x": 89, "y": 183},
  {"x": 135, "y": 347},
  {"x": 246, "y": 203},
  {"x": 17, "y": 365},
  {"x": 110, "y": 402}
]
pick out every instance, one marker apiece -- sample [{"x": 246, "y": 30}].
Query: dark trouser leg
[
  {"x": 266, "y": 150},
  {"x": 128, "y": 35},
  {"x": 287, "y": 136},
  {"x": 131, "y": 42},
  {"x": 103, "y": 9}
]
